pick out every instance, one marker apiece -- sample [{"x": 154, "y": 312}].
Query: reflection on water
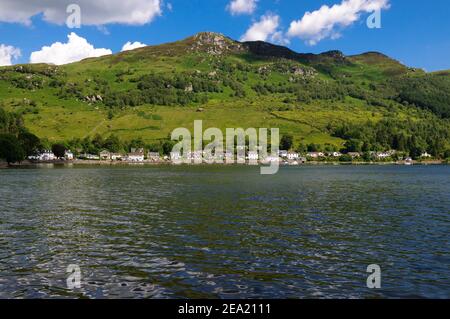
[{"x": 228, "y": 232}]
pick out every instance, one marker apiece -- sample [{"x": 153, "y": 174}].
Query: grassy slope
[{"x": 62, "y": 119}]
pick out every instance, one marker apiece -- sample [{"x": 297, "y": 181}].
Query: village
[{"x": 202, "y": 157}]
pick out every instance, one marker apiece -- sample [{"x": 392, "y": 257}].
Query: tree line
[
  {"x": 410, "y": 136},
  {"x": 16, "y": 142}
]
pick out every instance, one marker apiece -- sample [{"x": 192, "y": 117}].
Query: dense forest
[{"x": 411, "y": 137}]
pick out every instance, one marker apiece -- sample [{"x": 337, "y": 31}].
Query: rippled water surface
[{"x": 225, "y": 232}]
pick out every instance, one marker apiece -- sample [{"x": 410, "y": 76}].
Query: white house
[
  {"x": 175, "y": 156},
  {"x": 47, "y": 156},
  {"x": 43, "y": 156},
  {"x": 116, "y": 157},
  {"x": 283, "y": 153},
  {"x": 90, "y": 157},
  {"x": 315, "y": 154},
  {"x": 253, "y": 156},
  {"x": 292, "y": 156},
  {"x": 426, "y": 155},
  {"x": 335, "y": 154},
  {"x": 68, "y": 155},
  {"x": 135, "y": 157},
  {"x": 105, "y": 155},
  {"x": 153, "y": 156},
  {"x": 383, "y": 155}
]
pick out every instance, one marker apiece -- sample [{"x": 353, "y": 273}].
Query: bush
[{"x": 345, "y": 158}]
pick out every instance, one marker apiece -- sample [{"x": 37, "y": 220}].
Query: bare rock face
[
  {"x": 336, "y": 55},
  {"x": 303, "y": 71},
  {"x": 93, "y": 98},
  {"x": 215, "y": 43},
  {"x": 266, "y": 69},
  {"x": 296, "y": 71}
]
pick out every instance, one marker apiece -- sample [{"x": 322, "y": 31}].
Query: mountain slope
[{"x": 147, "y": 92}]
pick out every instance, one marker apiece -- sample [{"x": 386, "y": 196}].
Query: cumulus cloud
[
  {"x": 8, "y": 54},
  {"x": 131, "y": 46},
  {"x": 76, "y": 49},
  {"x": 242, "y": 6},
  {"x": 133, "y": 12},
  {"x": 265, "y": 28},
  {"x": 327, "y": 21},
  {"x": 279, "y": 38}
]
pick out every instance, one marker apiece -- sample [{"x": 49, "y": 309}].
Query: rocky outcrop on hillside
[{"x": 215, "y": 43}]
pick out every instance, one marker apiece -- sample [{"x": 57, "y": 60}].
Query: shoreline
[{"x": 29, "y": 164}]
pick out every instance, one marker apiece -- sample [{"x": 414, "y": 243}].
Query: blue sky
[{"x": 413, "y": 32}]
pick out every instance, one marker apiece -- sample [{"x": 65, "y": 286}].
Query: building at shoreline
[
  {"x": 44, "y": 156},
  {"x": 153, "y": 156},
  {"x": 135, "y": 157},
  {"x": 105, "y": 155},
  {"x": 68, "y": 155}
]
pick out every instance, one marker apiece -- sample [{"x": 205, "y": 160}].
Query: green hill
[{"x": 325, "y": 99}]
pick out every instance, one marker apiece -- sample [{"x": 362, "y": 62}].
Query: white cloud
[
  {"x": 76, "y": 49},
  {"x": 279, "y": 38},
  {"x": 242, "y": 6},
  {"x": 326, "y": 22},
  {"x": 98, "y": 12},
  {"x": 131, "y": 46},
  {"x": 264, "y": 29},
  {"x": 7, "y": 54}
]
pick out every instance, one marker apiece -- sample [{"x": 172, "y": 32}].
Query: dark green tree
[
  {"x": 286, "y": 142},
  {"x": 345, "y": 158},
  {"x": 167, "y": 147},
  {"x": 97, "y": 143},
  {"x": 314, "y": 147},
  {"x": 30, "y": 143},
  {"x": 136, "y": 143},
  {"x": 113, "y": 144},
  {"x": 302, "y": 148},
  {"x": 59, "y": 150},
  {"x": 447, "y": 154},
  {"x": 353, "y": 145},
  {"x": 11, "y": 149}
]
